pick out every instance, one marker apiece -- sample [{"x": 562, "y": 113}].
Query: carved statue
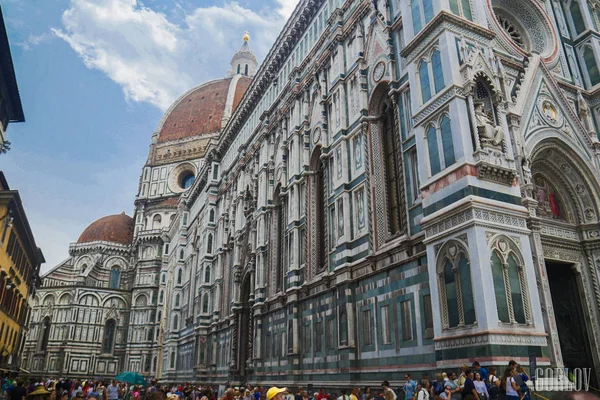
[
  {"x": 526, "y": 166},
  {"x": 584, "y": 112},
  {"x": 488, "y": 131}
]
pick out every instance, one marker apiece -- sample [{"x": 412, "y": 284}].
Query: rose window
[{"x": 512, "y": 31}]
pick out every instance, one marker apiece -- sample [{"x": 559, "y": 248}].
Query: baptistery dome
[{"x": 116, "y": 228}]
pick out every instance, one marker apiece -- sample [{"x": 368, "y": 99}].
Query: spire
[{"x": 243, "y": 61}]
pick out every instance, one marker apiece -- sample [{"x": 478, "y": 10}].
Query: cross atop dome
[{"x": 243, "y": 61}]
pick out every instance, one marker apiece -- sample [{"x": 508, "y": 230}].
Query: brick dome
[
  {"x": 116, "y": 228},
  {"x": 201, "y": 110}
]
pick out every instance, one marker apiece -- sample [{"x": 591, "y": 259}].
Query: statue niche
[{"x": 489, "y": 131}]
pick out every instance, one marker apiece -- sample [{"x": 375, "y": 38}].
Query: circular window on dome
[
  {"x": 182, "y": 177},
  {"x": 186, "y": 180}
]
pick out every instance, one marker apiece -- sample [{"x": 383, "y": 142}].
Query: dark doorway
[{"x": 569, "y": 316}]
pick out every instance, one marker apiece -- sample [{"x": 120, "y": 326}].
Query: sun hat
[
  {"x": 39, "y": 390},
  {"x": 274, "y": 391}
]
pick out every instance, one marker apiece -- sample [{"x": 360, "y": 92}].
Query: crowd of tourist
[{"x": 470, "y": 383}]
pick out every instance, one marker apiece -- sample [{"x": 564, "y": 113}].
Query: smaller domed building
[{"x": 81, "y": 312}]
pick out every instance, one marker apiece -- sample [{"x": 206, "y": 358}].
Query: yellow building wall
[{"x": 9, "y": 336}]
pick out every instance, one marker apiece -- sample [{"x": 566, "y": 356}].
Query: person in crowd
[
  {"x": 512, "y": 390},
  {"x": 493, "y": 384},
  {"x": 17, "y": 392},
  {"x": 437, "y": 386},
  {"x": 521, "y": 377},
  {"x": 367, "y": 393},
  {"x": 469, "y": 386},
  {"x": 344, "y": 395},
  {"x": 451, "y": 388},
  {"x": 481, "y": 387},
  {"x": 256, "y": 393},
  {"x": 463, "y": 376},
  {"x": 39, "y": 393},
  {"x": 409, "y": 387},
  {"x": 305, "y": 395},
  {"x": 112, "y": 391},
  {"x": 355, "y": 395},
  {"x": 388, "y": 393},
  {"x": 322, "y": 395},
  {"x": 482, "y": 371},
  {"x": 424, "y": 391}
]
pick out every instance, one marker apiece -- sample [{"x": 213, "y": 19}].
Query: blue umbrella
[{"x": 131, "y": 377}]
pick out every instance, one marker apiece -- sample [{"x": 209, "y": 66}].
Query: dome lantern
[{"x": 243, "y": 61}]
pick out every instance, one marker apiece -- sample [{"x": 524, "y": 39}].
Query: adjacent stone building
[{"x": 401, "y": 186}]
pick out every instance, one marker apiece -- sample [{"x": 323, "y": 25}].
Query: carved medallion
[
  {"x": 379, "y": 71},
  {"x": 317, "y": 135}
]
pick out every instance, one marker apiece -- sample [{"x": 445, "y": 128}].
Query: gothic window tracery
[
  {"x": 422, "y": 13},
  {"x": 591, "y": 66},
  {"x": 115, "y": 274},
  {"x": 440, "y": 145},
  {"x": 462, "y": 8},
  {"x": 431, "y": 75},
  {"x": 454, "y": 286},
  {"x": 109, "y": 336},
  {"x": 393, "y": 173},
  {"x": 509, "y": 282}
]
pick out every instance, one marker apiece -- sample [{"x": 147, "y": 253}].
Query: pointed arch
[
  {"x": 510, "y": 282},
  {"x": 455, "y": 285}
]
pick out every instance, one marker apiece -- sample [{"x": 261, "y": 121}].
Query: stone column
[{"x": 543, "y": 285}]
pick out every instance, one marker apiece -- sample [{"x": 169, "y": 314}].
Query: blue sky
[{"x": 95, "y": 77}]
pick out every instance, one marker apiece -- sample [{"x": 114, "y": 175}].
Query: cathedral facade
[{"x": 401, "y": 186}]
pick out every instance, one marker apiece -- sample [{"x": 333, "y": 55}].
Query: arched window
[
  {"x": 177, "y": 300},
  {"x": 447, "y": 143},
  {"x": 318, "y": 211},
  {"x": 163, "y": 278},
  {"x": 156, "y": 221},
  {"x": 161, "y": 297},
  {"x": 591, "y": 65},
  {"x": 154, "y": 298},
  {"x": 147, "y": 364},
  {"x": 179, "y": 276},
  {"x": 109, "y": 336},
  {"x": 577, "y": 17},
  {"x": 509, "y": 282},
  {"x": 205, "y": 303},
  {"x": 393, "y": 169},
  {"x": 432, "y": 147},
  {"x": 172, "y": 363},
  {"x": 280, "y": 224},
  {"x": 422, "y": 13},
  {"x": 209, "y": 243},
  {"x": 415, "y": 9},
  {"x": 246, "y": 70},
  {"x": 438, "y": 73},
  {"x": 175, "y": 322},
  {"x": 150, "y": 334},
  {"x": 159, "y": 315},
  {"x": 454, "y": 285},
  {"x": 207, "y": 274},
  {"x": 239, "y": 68},
  {"x": 211, "y": 217},
  {"x": 462, "y": 8},
  {"x": 45, "y": 334},
  {"x": 115, "y": 274},
  {"x": 424, "y": 80},
  {"x": 154, "y": 363},
  {"x": 181, "y": 254}
]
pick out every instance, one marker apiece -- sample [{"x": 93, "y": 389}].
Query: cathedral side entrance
[{"x": 569, "y": 315}]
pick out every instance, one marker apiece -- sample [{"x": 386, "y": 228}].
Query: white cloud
[{"x": 155, "y": 59}]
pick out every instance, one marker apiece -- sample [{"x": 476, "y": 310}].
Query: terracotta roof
[
  {"x": 200, "y": 111},
  {"x": 116, "y": 228}
]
